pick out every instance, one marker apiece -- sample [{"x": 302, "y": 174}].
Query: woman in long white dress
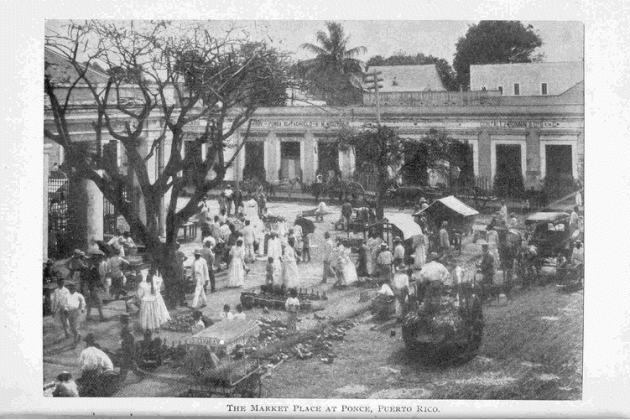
[
  {"x": 274, "y": 250},
  {"x": 347, "y": 267},
  {"x": 153, "y": 311},
  {"x": 373, "y": 247},
  {"x": 420, "y": 253},
  {"x": 493, "y": 246},
  {"x": 236, "y": 271},
  {"x": 289, "y": 269}
]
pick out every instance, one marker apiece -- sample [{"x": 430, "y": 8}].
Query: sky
[{"x": 562, "y": 41}]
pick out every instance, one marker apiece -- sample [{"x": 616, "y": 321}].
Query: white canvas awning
[{"x": 405, "y": 223}]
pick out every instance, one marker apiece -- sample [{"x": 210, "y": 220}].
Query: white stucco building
[{"x": 527, "y": 79}]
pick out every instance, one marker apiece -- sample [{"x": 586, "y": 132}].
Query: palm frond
[
  {"x": 355, "y": 51},
  {"x": 314, "y": 49}
]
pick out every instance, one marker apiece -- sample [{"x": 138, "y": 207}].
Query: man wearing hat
[
  {"x": 445, "y": 243},
  {"x": 400, "y": 286},
  {"x": 76, "y": 264},
  {"x": 91, "y": 283},
  {"x": 487, "y": 263},
  {"x": 384, "y": 263},
  {"x": 200, "y": 278},
  {"x": 399, "y": 251}
]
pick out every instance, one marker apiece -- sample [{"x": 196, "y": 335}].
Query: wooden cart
[{"x": 227, "y": 378}]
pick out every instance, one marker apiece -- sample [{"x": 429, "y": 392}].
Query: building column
[
  {"x": 533, "y": 169},
  {"x": 93, "y": 211},
  {"x": 342, "y": 163},
  {"x": 309, "y": 158},
  {"x": 485, "y": 160},
  {"x": 272, "y": 154}
]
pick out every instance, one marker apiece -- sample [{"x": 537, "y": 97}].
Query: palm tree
[{"x": 335, "y": 71}]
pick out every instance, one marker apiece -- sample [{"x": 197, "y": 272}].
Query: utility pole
[{"x": 373, "y": 80}]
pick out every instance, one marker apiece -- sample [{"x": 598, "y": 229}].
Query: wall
[{"x": 558, "y": 76}]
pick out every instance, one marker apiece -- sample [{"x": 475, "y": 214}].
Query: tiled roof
[
  {"x": 413, "y": 78},
  {"x": 61, "y": 70}
]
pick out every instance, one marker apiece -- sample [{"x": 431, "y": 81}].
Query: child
[
  {"x": 292, "y": 305},
  {"x": 269, "y": 271},
  {"x": 198, "y": 326},
  {"x": 226, "y": 314},
  {"x": 306, "y": 248},
  {"x": 239, "y": 312}
]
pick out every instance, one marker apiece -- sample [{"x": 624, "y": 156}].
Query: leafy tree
[
  {"x": 179, "y": 75},
  {"x": 335, "y": 74},
  {"x": 494, "y": 42},
  {"x": 444, "y": 69},
  {"x": 385, "y": 152}
]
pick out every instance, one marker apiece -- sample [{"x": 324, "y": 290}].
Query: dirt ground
[{"x": 532, "y": 346}]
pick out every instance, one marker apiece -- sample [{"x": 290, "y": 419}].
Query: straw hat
[{"x": 197, "y": 251}]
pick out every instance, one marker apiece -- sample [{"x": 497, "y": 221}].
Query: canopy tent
[
  {"x": 405, "y": 223},
  {"x": 449, "y": 209}
]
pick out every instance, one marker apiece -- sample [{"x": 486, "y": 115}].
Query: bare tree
[{"x": 180, "y": 74}]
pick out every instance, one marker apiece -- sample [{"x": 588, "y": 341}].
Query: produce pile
[
  {"x": 445, "y": 319},
  {"x": 180, "y": 323}
]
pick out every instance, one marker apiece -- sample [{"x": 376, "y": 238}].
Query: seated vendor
[
  {"x": 148, "y": 352},
  {"x": 92, "y": 360},
  {"x": 201, "y": 322}
]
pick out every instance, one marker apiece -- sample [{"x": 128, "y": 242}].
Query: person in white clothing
[
  {"x": 200, "y": 277},
  {"x": 504, "y": 214},
  {"x": 153, "y": 311},
  {"x": 399, "y": 284},
  {"x": 92, "y": 359},
  {"x": 59, "y": 301},
  {"x": 239, "y": 312},
  {"x": 226, "y": 314},
  {"x": 248, "y": 241},
  {"x": 117, "y": 242},
  {"x": 274, "y": 250},
  {"x": 75, "y": 306}
]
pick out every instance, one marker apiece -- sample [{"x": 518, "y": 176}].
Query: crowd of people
[{"x": 231, "y": 241}]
